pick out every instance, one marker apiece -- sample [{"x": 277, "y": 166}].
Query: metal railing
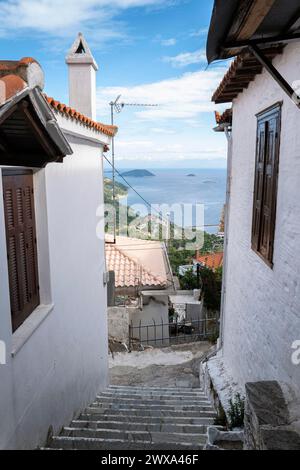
[{"x": 168, "y": 334}]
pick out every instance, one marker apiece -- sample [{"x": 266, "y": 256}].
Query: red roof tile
[
  {"x": 10, "y": 85},
  {"x": 225, "y": 118},
  {"x": 66, "y": 110},
  {"x": 211, "y": 260},
  {"x": 129, "y": 273},
  {"x": 12, "y": 73},
  {"x": 13, "y": 65}
]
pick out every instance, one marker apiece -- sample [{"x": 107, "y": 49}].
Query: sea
[{"x": 206, "y": 187}]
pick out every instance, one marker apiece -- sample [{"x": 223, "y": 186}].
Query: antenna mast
[{"x": 116, "y": 106}]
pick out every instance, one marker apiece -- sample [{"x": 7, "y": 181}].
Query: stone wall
[{"x": 268, "y": 423}]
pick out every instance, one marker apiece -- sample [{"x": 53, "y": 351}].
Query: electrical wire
[
  {"x": 143, "y": 199},
  {"x": 136, "y": 192}
]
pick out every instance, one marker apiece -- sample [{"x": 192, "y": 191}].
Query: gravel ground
[{"x": 175, "y": 366}]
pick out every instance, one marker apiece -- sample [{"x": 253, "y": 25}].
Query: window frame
[{"x": 265, "y": 117}]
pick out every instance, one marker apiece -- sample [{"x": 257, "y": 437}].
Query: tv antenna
[{"x": 117, "y": 107}]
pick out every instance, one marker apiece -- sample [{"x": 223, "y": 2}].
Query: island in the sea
[
  {"x": 138, "y": 173},
  {"x": 191, "y": 174}
]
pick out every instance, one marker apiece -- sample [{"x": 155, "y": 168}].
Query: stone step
[
  {"x": 140, "y": 426},
  {"x": 97, "y": 411},
  {"x": 141, "y": 418},
  {"x": 140, "y": 390},
  {"x": 83, "y": 443},
  {"x": 140, "y": 436},
  {"x": 151, "y": 407},
  {"x": 49, "y": 448},
  {"x": 145, "y": 397},
  {"x": 146, "y": 387},
  {"x": 153, "y": 401},
  {"x": 127, "y": 418},
  {"x": 171, "y": 390}
]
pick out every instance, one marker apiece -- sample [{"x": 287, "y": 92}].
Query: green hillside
[{"x": 120, "y": 190}]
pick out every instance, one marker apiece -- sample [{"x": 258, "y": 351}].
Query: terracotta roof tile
[
  {"x": 128, "y": 273},
  {"x": 211, "y": 260},
  {"x": 13, "y": 65},
  {"x": 27, "y": 61},
  {"x": 10, "y": 85},
  {"x": 64, "y": 109},
  {"x": 225, "y": 118},
  {"x": 12, "y": 74}
]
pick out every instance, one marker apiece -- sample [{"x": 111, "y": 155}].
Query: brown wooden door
[{"x": 21, "y": 245}]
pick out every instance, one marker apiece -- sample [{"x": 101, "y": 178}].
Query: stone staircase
[{"x": 140, "y": 418}]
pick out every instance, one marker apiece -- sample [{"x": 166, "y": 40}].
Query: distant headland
[{"x": 138, "y": 173}]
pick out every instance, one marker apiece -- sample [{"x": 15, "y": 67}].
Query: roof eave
[
  {"x": 35, "y": 108},
  {"x": 49, "y": 121},
  {"x": 238, "y": 24},
  {"x": 222, "y": 127}
]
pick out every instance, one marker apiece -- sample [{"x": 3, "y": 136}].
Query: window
[
  {"x": 21, "y": 244},
  {"x": 266, "y": 176}
]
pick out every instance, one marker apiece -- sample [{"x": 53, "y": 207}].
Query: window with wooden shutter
[
  {"x": 265, "y": 188},
  {"x": 21, "y": 244}
]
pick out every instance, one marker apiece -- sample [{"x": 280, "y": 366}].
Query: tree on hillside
[{"x": 211, "y": 283}]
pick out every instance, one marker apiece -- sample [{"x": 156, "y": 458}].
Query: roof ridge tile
[{"x": 74, "y": 114}]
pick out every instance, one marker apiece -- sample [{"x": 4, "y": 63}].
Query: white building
[
  {"x": 142, "y": 276},
  {"x": 261, "y": 294},
  {"x": 53, "y": 319}
]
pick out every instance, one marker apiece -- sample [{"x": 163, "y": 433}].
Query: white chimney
[{"x": 82, "y": 78}]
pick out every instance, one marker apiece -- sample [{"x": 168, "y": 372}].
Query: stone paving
[
  {"x": 154, "y": 402},
  {"x": 175, "y": 366}
]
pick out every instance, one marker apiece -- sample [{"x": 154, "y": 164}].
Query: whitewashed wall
[
  {"x": 262, "y": 314},
  {"x": 59, "y": 359},
  {"x": 155, "y": 309},
  {"x": 118, "y": 323}
]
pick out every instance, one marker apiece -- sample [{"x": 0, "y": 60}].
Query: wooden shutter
[
  {"x": 266, "y": 177},
  {"x": 259, "y": 181},
  {"x": 21, "y": 245}
]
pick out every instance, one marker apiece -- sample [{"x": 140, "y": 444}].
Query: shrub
[{"x": 236, "y": 411}]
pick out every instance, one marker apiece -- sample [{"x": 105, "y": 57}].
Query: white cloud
[
  {"x": 168, "y": 42},
  {"x": 63, "y": 18},
  {"x": 168, "y": 152},
  {"x": 162, "y": 130},
  {"x": 174, "y": 131},
  {"x": 186, "y": 58},
  {"x": 183, "y": 97},
  {"x": 199, "y": 32}
]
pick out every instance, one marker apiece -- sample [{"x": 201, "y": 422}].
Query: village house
[
  {"x": 212, "y": 261},
  {"x": 140, "y": 281},
  {"x": 145, "y": 299},
  {"x": 53, "y": 319},
  {"x": 138, "y": 265},
  {"x": 261, "y": 292}
]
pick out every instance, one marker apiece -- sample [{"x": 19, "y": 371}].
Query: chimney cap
[{"x": 80, "y": 53}]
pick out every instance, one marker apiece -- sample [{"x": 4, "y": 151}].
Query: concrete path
[{"x": 175, "y": 366}]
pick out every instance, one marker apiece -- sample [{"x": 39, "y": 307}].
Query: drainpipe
[{"x": 228, "y": 134}]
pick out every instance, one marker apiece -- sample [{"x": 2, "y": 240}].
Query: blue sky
[{"x": 149, "y": 51}]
